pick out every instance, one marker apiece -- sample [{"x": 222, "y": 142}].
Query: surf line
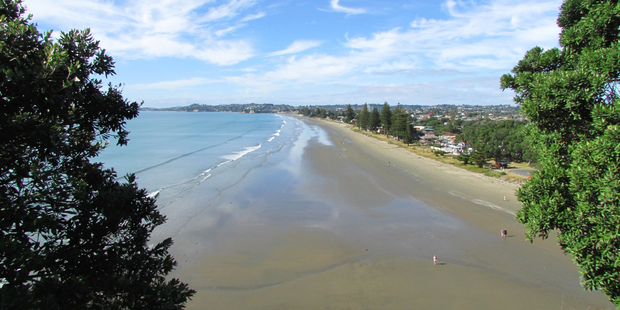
[{"x": 480, "y": 202}]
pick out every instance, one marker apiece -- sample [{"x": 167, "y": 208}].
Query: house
[
  {"x": 449, "y": 136},
  {"x": 501, "y": 164},
  {"x": 451, "y": 148},
  {"x": 428, "y": 136}
]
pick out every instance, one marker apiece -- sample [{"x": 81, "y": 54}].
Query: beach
[{"x": 350, "y": 222}]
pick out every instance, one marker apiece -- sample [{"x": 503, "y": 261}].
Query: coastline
[{"x": 357, "y": 228}]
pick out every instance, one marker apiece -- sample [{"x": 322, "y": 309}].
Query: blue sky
[{"x": 418, "y": 52}]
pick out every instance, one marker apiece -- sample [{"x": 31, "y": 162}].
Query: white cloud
[
  {"x": 483, "y": 37},
  {"x": 335, "y": 5},
  {"x": 402, "y": 65},
  {"x": 227, "y": 10},
  {"x": 157, "y": 28},
  {"x": 296, "y": 47},
  {"x": 254, "y": 16},
  {"x": 226, "y": 31},
  {"x": 459, "y": 55},
  {"x": 224, "y": 52},
  {"x": 379, "y": 41},
  {"x": 173, "y": 85},
  {"x": 452, "y": 55},
  {"x": 313, "y": 69}
]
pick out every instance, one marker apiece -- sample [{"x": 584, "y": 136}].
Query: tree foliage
[
  {"x": 374, "y": 120},
  {"x": 386, "y": 118},
  {"x": 464, "y": 158},
  {"x": 363, "y": 118},
  {"x": 71, "y": 236},
  {"x": 442, "y": 125},
  {"x": 401, "y": 125},
  {"x": 349, "y": 114},
  {"x": 478, "y": 158},
  {"x": 570, "y": 94},
  {"x": 504, "y": 139},
  {"x": 320, "y": 113}
]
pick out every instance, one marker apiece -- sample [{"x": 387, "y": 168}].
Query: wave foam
[{"x": 237, "y": 155}]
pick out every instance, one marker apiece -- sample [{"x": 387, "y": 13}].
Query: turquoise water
[
  {"x": 186, "y": 160},
  {"x": 166, "y": 146}
]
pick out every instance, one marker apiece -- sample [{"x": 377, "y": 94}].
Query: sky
[{"x": 309, "y": 52}]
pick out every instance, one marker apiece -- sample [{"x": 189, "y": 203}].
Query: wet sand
[{"x": 356, "y": 227}]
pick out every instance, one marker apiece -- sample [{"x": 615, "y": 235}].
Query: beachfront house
[
  {"x": 450, "y": 148},
  {"x": 448, "y": 136},
  {"x": 501, "y": 164}
]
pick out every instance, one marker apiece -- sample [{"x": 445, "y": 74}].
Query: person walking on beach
[{"x": 434, "y": 260}]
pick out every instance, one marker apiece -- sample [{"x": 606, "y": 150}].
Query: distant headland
[{"x": 446, "y": 109}]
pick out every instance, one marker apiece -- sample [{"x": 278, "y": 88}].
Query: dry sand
[{"x": 356, "y": 227}]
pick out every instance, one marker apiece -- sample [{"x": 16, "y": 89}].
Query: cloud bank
[{"x": 392, "y": 51}]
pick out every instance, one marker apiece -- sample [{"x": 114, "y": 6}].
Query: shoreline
[
  {"x": 357, "y": 227},
  {"x": 510, "y": 178}
]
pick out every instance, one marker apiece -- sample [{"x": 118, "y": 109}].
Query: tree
[
  {"x": 320, "y": 113},
  {"x": 440, "y": 126},
  {"x": 349, "y": 114},
  {"x": 363, "y": 118},
  {"x": 402, "y": 126},
  {"x": 375, "y": 119},
  {"x": 411, "y": 134},
  {"x": 464, "y": 158},
  {"x": 71, "y": 235},
  {"x": 570, "y": 94},
  {"x": 497, "y": 139},
  {"x": 478, "y": 158},
  {"x": 400, "y": 121},
  {"x": 386, "y": 118},
  {"x": 331, "y": 114}
]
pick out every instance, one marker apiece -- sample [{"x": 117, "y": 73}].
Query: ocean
[{"x": 186, "y": 160}]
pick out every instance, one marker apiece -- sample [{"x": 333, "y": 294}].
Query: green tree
[
  {"x": 386, "y": 118},
  {"x": 478, "y": 158},
  {"x": 331, "y": 114},
  {"x": 363, "y": 118},
  {"x": 71, "y": 236},
  {"x": 440, "y": 126},
  {"x": 402, "y": 126},
  {"x": 349, "y": 114},
  {"x": 321, "y": 113},
  {"x": 570, "y": 94},
  {"x": 497, "y": 139},
  {"x": 375, "y": 119},
  {"x": 400, "y": 121},
  {"x": 411, "y": 134},
  {"x": 464, "y": 158}
]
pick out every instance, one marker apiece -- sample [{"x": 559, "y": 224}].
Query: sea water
[{"x": 186, "y": 160}]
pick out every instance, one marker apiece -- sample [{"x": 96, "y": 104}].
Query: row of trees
[
  {"x": 501, "y": 140},
  {"x": 396, "y": 122}
]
